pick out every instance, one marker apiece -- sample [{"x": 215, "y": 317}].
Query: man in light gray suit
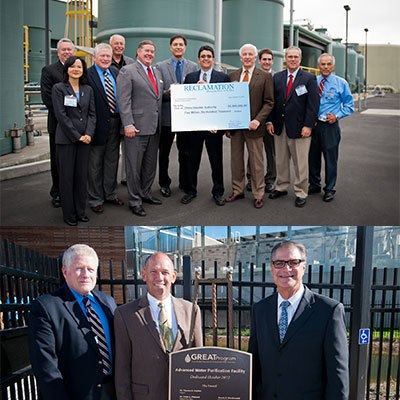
[
  {"x": 298, "y": 338},
  {"x": 173, "y": 71},
  {"x": 139, "y": 92}
]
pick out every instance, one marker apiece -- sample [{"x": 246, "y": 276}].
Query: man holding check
[{"x": 212, "y": 139}]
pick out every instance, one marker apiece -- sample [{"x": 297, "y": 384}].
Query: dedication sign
[
  {"x": 210, "y": 373},
  {"x": 210, "y": 106}
]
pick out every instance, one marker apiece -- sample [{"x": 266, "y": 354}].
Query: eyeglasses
[
  {"x": 278, "y": 264},
  {"x": 206, "y": 56}
]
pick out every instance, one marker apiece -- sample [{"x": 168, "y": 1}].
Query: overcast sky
[{"x": 380, "y": 17}]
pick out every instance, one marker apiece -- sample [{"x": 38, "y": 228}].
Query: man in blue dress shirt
[
  {"x": 336, "y": 103},
  {"x": 71, "y": 335}
]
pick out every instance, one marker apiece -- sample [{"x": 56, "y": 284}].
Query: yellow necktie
[
  {"x": 165, "y": 328},
  {"x": 245, "y": 76}
]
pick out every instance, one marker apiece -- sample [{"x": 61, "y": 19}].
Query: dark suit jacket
[
  {"x": 102, "y": 109},
  {"x": 51, "y": 74},
  {"x": 73, "y": 122},
  {"x": 297, "y": 111},
  {"x": 312, "y": 361},
  {"x": 261, "y": 98},
  {"x": 141, "y": 361},
  {"x": 62, "y": 347}
]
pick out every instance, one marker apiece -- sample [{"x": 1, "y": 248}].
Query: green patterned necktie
[{"x": 165, "y": 328}]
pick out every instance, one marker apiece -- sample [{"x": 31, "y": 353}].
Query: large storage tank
[
  {"x": 158, "y": 20},
  {"x": 252, "y": 21},
  {"x": 310, "y": 56},
  {"x": 34, "y": 19},
  {"x": 352, "y": 67},
  {"x": 339, "y": 52},
  {"x": 11, "y": 71}
]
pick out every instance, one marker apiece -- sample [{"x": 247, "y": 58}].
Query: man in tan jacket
[
  {"x": 261, "y": 91},
  {"x": 148, "y": 329}
]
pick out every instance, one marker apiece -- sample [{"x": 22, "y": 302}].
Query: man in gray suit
[
  {"x": 298, "y": 338},
  {"x": 173, "y": 71},
  {"x": 139, "y": 92}
]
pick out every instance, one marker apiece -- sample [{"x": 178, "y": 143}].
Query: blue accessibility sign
[{"x": 363, "y": 336}]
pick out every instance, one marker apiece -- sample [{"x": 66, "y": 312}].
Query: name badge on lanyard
[{"x": 70, "y": 101}]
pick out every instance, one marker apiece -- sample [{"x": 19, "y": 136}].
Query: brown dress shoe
[
  {"x": 98, "y": 209},
  {"x": 115, "y": 202},
  {"x": 258, "y": 203},
  {"x": 233, "y": 197}
]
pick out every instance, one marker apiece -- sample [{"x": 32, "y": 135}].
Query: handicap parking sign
[{"x": 363, "y": 336}]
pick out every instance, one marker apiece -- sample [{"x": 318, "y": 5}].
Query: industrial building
[{"x": 24, "y": 37}]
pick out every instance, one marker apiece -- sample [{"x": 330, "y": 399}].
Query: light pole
[
  {"x": 291, "y": 28},
  {"x": 347, "y": 8},
  {"x": 365, "y": 66}
]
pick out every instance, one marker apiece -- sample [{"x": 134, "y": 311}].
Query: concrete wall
[{"x": 383, "y": 64}]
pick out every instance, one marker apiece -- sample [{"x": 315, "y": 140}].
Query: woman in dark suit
[{"x": 73, "y": 102}]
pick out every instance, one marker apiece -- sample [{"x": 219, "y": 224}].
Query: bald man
[{"x": 148, "y": 329}]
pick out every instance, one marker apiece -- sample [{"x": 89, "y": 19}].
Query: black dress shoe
[
  {"x": 277, "y": 193},
  {"x": 138, "y": 210},
  {"x": 300, "y": 202},
  {"x": 187, "y": 198},
  {"x": 269, "y": 187},
  {"x": 165, "y": 191},
  {"x": 258, "y": 203},
  {"x": 152, "y": 200},
  {"x": 328, "y": 196},
  {"x": 56, "y": 201},
  {"x": 71, "y": 221},
  {"x": 219, "y": 200},
  {"x": 248, "y": 186},
  {"x": 116, "y": 202},
  {"x": 84, "y": 218},
  {"x": 314, "y": 190},
  {"x": 123, "y": 182}
]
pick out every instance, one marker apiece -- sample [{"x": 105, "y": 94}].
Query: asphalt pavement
[{"x": 368, "y": 187}]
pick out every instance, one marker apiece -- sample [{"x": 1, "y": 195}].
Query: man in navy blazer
[
  {"x": 298, "y": 338},
  {"x": 213, "y": 140},
  {"x": 64, "y": 350},
  {"x": 52, "y": 74},
  {"x": 291, "y": 121},
  {"x": 104, "y": 152}
]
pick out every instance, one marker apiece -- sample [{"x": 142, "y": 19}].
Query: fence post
[
  {"x": 187, "y": 278},
  {"x": 361, "y": 305}
]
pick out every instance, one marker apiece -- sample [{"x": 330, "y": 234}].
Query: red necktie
[
  {"x": 321, "y": 86},
  {"x": 152, "y": 80},
  {"x": 289, "y": 85}
]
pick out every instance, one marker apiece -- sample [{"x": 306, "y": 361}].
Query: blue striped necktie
[
  {"x": 112, "y": 102},
  {"x": 98, "y": 330},
  {"x": 283, "y": 322}
]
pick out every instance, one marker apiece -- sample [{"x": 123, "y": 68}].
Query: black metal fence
[{"x": 25, "y": 275}]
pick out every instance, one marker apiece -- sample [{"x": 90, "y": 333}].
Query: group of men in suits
[
  {"x": 133, "y": 104},
  {"x": 83, "y": 347}
]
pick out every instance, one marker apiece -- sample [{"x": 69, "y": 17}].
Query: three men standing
[
  {"x": 173, "y": 71},
  {"x": 139, "y": 93},
  {"x": 291, "y": 122},
  {"x": 261, "y": 103},
  {"x": 104, "y": 151},
  {"x": 212, "y": 140},
  {"x": 52, "y": 74},
  {"x": 336, "y": 103}
]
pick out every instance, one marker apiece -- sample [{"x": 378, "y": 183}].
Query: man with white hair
[
  {"x": 336, "y": 103},
  {"x": 261, "y": 93},
  {"x": 52, "y": 74},
  {"x": 104, "y": 151},
  {"x": 71, "y": 335}
]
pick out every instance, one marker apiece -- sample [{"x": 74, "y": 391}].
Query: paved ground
[{"x": 368, "y": 189}]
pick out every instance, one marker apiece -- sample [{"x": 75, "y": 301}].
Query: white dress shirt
[
  {"x": 169, "y": 309},
  {"x": 294, "y": 303}
]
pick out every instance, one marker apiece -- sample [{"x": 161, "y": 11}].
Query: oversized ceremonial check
[{"x": 210, "y": 106}]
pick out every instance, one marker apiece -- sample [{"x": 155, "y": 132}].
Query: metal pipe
[
  {"x": 347, "y": 8},
  {"x": 47, "y": 32},
  {"x": 365, "y": 67},
  {"x": 218, "y": 31},
  {"x": 291, "y": 29}
]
